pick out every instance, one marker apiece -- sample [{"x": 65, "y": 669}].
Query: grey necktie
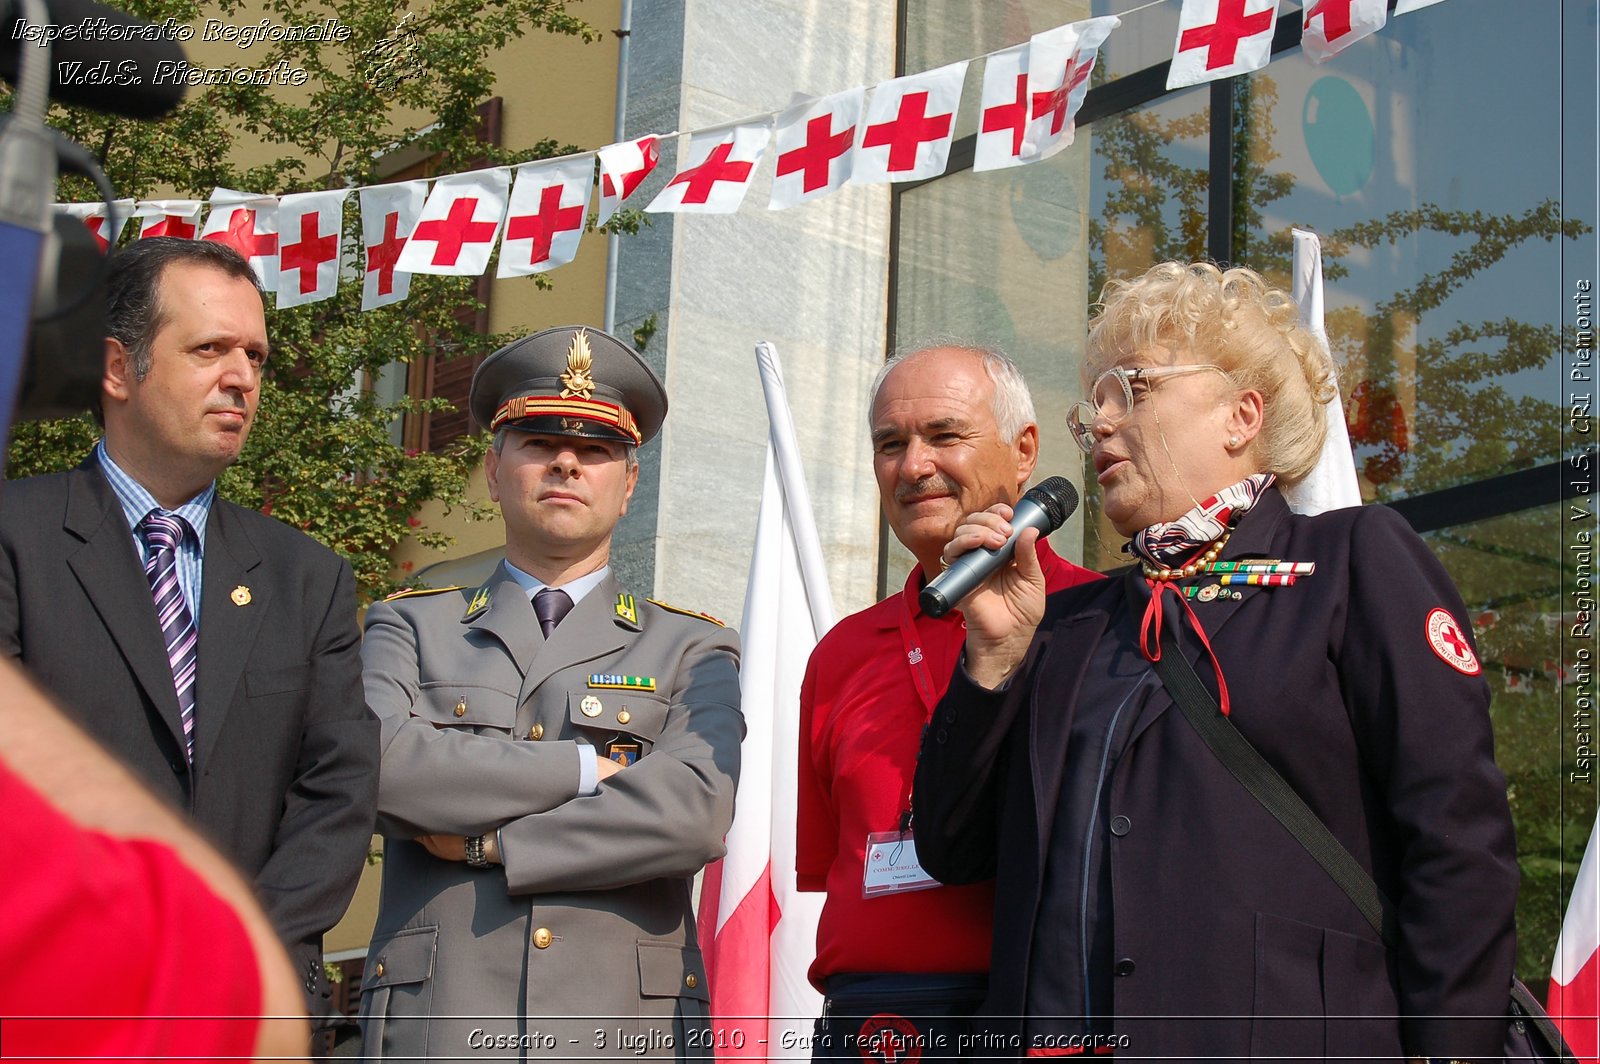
[{"x": 550, "y": 605}]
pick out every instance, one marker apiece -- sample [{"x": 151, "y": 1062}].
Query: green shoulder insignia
[
  {"x": 626, "y": 608},
  {"x": 478, "y": 603},
  {"x": 670, "y": 608},
  {"x": 413, "y": 592}
]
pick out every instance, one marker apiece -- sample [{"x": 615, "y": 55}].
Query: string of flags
[{"x": 536, "y": 212}]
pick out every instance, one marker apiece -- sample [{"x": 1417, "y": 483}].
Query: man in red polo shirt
[{"x": 902, "y": 959}]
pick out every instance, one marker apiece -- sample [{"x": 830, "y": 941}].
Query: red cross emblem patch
[
  {"x": 1446, "y": 639},
  {"x": 889, "y": 1038}
]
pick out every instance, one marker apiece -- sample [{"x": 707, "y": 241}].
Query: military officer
[{"x": 560, "y": 754}]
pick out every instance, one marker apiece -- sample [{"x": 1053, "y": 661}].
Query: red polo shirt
[{"x": 861, "y": 721}]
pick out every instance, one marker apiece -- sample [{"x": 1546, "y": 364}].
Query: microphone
[
  {"x": 1045, "y": 507},
  {"x": 100, "y": 58}
]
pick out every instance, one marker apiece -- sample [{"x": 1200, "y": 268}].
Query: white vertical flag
[
  {"x": 910, "y": 124},
  {"x": 311, "y": 226},
  {"x": 815, "y": 142},
  {"x": 1328, "y": 27},
  {"x": 549, "y": 204},
  {"x": 623, "y": 168},
  {"x": 248, "y": 223},
  {"x": 388, "y": 214},
  {"x": 459, "y": 224},
  {"x": 717, "y": 170},
  {"x": 105, "y": 226},
  {"x": 1331, "y": 484},
  {"x": 1221, "y": 38},
  {"x": 757, "y": 930},
  {"x": 1575, "y": 972}
]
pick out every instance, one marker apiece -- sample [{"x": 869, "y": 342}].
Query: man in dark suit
[{"x": 213, "y": 649}]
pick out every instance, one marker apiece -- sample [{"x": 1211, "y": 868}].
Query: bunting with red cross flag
[
  {"x": 814, "y": 144},
  {"x": 717, "y": 170},
  {"x": 1003, "y": 110},
  {"x": 1059, "y": 64},
  {"x": 459, "y": 224},
  {"x": 909, "y": 126},
  {"x": 1221, "y": 38},
  {"x": 623, "y": 168},
  {"x": 388, "y": 214},
  {"x": 549, "y": 203},
  {"x": 248, "y": 223},
  {"x": 1405, "y": 7},
  {"x": 310, "y": 225},
  {"x": 174, "y": 218},
  {"x": 1328, "y": 27},
  {"x": 104, "y": 225}
]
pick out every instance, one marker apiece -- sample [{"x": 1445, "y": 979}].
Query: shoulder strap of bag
[{"x": 1252, "y": 770}]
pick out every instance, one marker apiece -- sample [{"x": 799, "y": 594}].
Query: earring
[{"x": 1233, "y": 441}]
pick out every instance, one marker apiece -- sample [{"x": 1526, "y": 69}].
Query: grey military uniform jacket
[{"x": 582, "y": 944}]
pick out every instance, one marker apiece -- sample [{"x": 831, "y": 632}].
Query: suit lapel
[
  {"x": 107, "y": 567},
  {"x": 592, "y": 630},
  {"x": 1065, "y": 660},
  {"x": 508, "y": 616},
  {"x": 227, "y": 629}
]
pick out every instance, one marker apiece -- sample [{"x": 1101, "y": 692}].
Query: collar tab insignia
[
  {"x": 479, "y": 603},
  {"x": 627, "y": 610}
]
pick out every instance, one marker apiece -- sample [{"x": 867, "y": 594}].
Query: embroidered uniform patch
[{"x": 1447, "y": 641}]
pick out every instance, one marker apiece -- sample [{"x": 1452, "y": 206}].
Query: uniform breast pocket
[
  {"x": 466, "y": 705},
  {"x": 397, "y": 993},
  {"x": 285, "y": 679},
  {"x": 622, "y": 725}
]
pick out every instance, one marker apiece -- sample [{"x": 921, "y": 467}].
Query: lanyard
[{"x": 921, "y": 679}]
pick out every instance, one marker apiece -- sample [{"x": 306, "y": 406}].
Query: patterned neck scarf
[{"x": 1174, "y": 544}]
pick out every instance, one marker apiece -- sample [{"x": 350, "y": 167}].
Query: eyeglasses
[{"x": 1114, "y": 394}]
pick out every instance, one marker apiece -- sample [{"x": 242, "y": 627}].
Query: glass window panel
[{"x": 1442, "y": 232}]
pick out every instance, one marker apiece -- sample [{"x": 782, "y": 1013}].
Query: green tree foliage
[
  {"x": 1468, "y": 420},
  {"x": 321, "y": 455}
]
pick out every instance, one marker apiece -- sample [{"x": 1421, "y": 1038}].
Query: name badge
[{"x": 892, "y": 866}]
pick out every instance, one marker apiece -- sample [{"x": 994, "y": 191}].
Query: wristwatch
[{"x": 475, "y": 854}]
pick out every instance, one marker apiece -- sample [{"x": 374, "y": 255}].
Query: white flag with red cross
[
  {"x": 717, "y": 170},
  {"x": 248, "y": 223},
  {"x": 388, "y": 214},
  {"x": 814, "y": 143},
  {"x": 174, "y": 218},
  {"x": 1059, "y": 64},
  {"x": 623, "y": 168},
  {"x": 104, "y": 224},
  {"x": 1221, "y": 38},
  {"x": 1575, "y": 972},
  {"x": 311, "y": 227},
  {"x": 910, "y": 124},
  {"x": 1003, "y": 110},
  {"x": 1328, "y": 27},
  {"x": 549, "y": 204},
  {"x": 459, "y": 225}
]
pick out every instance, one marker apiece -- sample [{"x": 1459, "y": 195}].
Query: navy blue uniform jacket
[{"x": 1220, "y": 915}]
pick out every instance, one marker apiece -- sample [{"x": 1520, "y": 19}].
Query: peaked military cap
[{"x": 570, "y": 381}]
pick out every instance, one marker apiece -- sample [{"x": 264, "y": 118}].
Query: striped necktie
[{"x": 162, "y": 532}]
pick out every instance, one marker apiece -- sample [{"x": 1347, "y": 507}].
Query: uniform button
[
  {"x": 941, "y": 736},
  {"x": 542, "y": 938},
  {"x": 536, "y": 732},
  {"x": 461, "y": 708},
  {"x": 623, "y": 716},
  {"x": 1124, "y": 966},
  {"x": 1121, "y": 825},
  {"x": 691, "y": 981},
  {"x": 378, "y": 970}
]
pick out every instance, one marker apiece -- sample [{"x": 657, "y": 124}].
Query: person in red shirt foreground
[
  {"x": 901, "y": 959},
  {"x": 125, "y": 936}
]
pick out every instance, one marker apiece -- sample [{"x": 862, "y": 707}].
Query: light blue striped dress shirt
[{"x": 137, "y": 502}]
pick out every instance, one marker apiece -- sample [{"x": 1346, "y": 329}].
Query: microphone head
[{"x": 1056, "y": 497}]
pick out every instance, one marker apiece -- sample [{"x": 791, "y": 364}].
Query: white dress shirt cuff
[{"x": 588, "y": 771}]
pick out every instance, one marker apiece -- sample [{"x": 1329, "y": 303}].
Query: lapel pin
[
  {"x": 590, "y": 706},
  {"x": 240, "y": 596}
]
